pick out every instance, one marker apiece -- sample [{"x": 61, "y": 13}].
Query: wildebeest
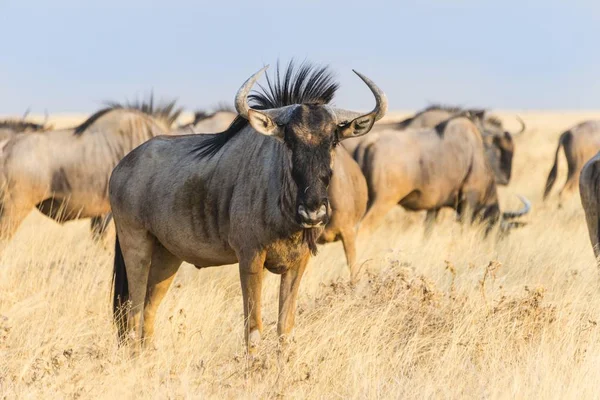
[
  {"x": 589, "y": 189},
  {"x": 580, "y": 143},
  {"x": 498, "y": 141},
  {"x": 348, "y": 197},
  {"x": 65, "y": 173},
  {"x": 11, "y": 127},
  {"x": 427, "y": 169},
  {"x": 255, "y": 194},
  {"x": 216, "y": 121}
]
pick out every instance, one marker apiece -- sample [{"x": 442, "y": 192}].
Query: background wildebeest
[
  {"x": 348, "y": 198},
  {"x": 65, "y": 173},
  {"x": 427, "y": 169},
  {"x": 215, "y": 121},
  {"x": 498, "y": 141},
  {"x": 589, "y": 189},
  {"x": 11, "y": 127},
  {"x": 580, "y": 143},
  {"x": 255, "y": 194}
]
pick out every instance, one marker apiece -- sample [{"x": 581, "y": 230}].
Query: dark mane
[
  {"x": 441, "y": 127},
  {"x": 21, "y": 125},
  {"x": 164, "y": 111},
  {"x": 442, "y": 107},
  {"x": 200, "y": 115},
  {"x": 494, "y": 121},
  {"x": 88, "y": 122},
  {"x": 307, "y": 84}
]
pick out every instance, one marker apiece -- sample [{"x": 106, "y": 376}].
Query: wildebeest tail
[
  {"x": 565, "y": 137},
  {"x": 120, "y": 291}
]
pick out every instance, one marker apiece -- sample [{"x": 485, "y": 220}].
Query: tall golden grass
[{"x": 452, "y": 316}]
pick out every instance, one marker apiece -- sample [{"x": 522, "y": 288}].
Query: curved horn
[
  {"x": 26, "y": 113},
  {"x": 381, "y": 103},
  {"x": 515, "y": 214},
  {"x": 522, "y": 126},
  {"x": 241, "y": 98}
]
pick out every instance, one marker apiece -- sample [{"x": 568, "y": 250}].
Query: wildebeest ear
[
  {"x": 264, "y": 124},
  {"x": 357, "y": 127}
]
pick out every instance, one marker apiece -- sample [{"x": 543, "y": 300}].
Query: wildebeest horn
[
  {"x": 26, "y": 113},
  {"x": 241, "y": 98},
  {"x": 515, "y": 214},
  {"x": 381, "y": 103},
  {"x": 522, "y": 126}
]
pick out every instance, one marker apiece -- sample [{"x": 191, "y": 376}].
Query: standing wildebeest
[
  {"x": 255, "y": 194},
  {"x": 498, "y": 142},
  {"x": 217, "y": 121},
  {"x": 580, "y": 143},
  {"x": 348, "y": 196},
  {"x": 427, "y": 169},
  {"x": 65, "y": 173},
  {"x": 589, "y": 189}
]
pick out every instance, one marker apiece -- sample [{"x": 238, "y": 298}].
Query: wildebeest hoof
[{"x": 253, "y": 342}]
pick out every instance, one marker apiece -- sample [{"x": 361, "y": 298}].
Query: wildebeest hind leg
[
  {"x": 13, "y": 212},
  {"x": 136, "y": 245},
  {"x": 374, "y": 217},
  {"x": 288, "y": 295},
  {"x": 163, "y": 268},
  {"x": 349, "y": 241},
  {"x": 251, "y": 274}
]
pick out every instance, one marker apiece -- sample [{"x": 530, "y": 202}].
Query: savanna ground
[{"x": 453, "y": 316}]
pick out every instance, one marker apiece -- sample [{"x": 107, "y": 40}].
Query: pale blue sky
[{"x": 71, "y": 55}]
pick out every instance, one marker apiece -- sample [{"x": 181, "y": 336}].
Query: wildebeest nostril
[
  {"x": 322, "y": 211},
  {"x": 302, "y": 212}
]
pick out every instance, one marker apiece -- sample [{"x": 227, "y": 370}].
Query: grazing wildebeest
[
  {"x": 498, "y": 141},
  {"x": 427, "y": 169},
  {"x": 580, "y": 143},
  {"x": 216, "y": 121},
  {"x": 255, "y": 194},
  {"x": 589, "y": 189},
  {"x": 348, "y": 197},
  {"x": 65, "y": 173}
]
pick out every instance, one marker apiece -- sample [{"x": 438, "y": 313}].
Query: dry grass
[{"x": 451, "y": 317}]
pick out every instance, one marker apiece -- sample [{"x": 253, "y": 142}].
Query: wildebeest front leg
[
  {"x": 163, "y": 268},
  {"x": 288, "y": 295},
  {"x": 251, "y": 274}
]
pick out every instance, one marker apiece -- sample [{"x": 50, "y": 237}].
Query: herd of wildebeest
[{"x": 284, "y": 172}]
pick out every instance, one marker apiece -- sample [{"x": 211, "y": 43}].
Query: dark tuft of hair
[
  {"x": 442, "y": 107},
  {"x": 21, "y": 125},
  {"x": 307, "y": 84},
  {"x": 494, "y": 121},
  {"x": 310, "y": 237},
  {"x": 164, "y": 111}
]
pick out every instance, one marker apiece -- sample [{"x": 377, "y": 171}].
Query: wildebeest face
[
  {"x": 310, "y": 132},
  {"x": 499, "y": 151}
]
